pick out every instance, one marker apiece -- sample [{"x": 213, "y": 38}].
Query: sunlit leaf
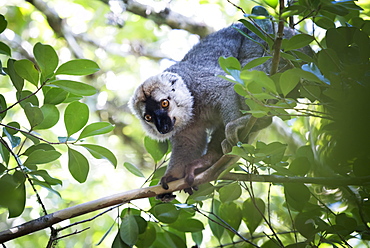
[
  {"x": 55, "y": 96},
  {"x": 256, "y": 62},
  {"x": 34, "y": 114},
  {"x": 100, "y": 152},
  {"x": 78, "y": 165},
  {"x": 46, "y": 58},
  {"x": 45, "y": 175},
  {"x": 155, "y": 148},
  {"x": 41, "y": 146},
  {"x": 78, "y": 67},
  {"x": 27, "y": 70},
  {"x": 76, "y": 116},
  {"x": 133, "y": 169},
  {"x": 17, "y": 80},
  {"x": 231, "y": 213},
  {"x": 298, "y": 41},
  {"x": 252, "y": 211},
  {"x": 26, "y": 96},
  {"x": 96, "y": 129},
  {"x": 74, "y": 87},
  {"x": 230, "y": 192},
  {"x": 51, "y": 116},
  {"x": 288, "y": 81},
  {"x": 41, "y": 157}
]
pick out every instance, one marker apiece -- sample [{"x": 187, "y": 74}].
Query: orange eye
[
  {"x": 165, "y": 103},
  {"x": 147, "y": 117}
]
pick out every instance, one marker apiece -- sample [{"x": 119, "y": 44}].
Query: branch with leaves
[{"x": 128, "y": 196}]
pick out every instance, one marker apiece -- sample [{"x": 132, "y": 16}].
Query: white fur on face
[{"x": 168, "y": 86}]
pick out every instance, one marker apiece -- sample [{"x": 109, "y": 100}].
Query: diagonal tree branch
[{"x": 124, "y": 197}]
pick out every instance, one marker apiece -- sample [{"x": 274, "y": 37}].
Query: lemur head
[{"x": 164, "y": 105}]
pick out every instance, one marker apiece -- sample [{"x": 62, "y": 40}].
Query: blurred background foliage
[{"x": 129, "y": 48}]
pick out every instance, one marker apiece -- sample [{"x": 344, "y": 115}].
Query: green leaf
[
  {"x": 118, "y": 243},
  {"x": 141, "y": 223},
  {"x": 229, "y": 63},
  {"x": 51, "y": 116},
  {"x": 298, "y": 41},
  {"x": 5, "y": 49},
  {"x": 34, "y": 114},
  {"x": 12, "y": 194},
  {"x": 41, "y": 146},
  {"x": 147, "y": 238},
  {"x": 27, "y": 70},
  {"x": 75, "y": 117},
  {"x": 188, "y": 225},
  {"x": 324, "y": 22},
  {"x": 274, "y": 151},
  {"x": 231, "y": 213},
  {"x": 256, "y": 62},
  {"x": 78, "y": 165},
  {"x": 133, "y": 169},
  {"x": 166, "y": 212},
  {"x": 42, "y": 157},
  {"x": 47, "y": 178},
  {"x": 300, "y": 166},
  {"x": 100, "y": 152},
  {"x": 96, "y": 129},
  {"x": 27, "y": 97},
  {"x": 217, "y": 229},
  {"x": 305, "y": 225},
  {"x": 288, "y": 81},
  {"x": 297, "y": 195},
  {"x": 13, "y": 124},
  {"x": 55, "y": 96},
  {"x": 272, "y": 3},
  {"x": 78, "y": 67},
  {"x": 230, "y": 192},
  {"x": 17, "y": 80},
  {"x": 5, "y": 154},
  {"x": 335, "y": 9},
  {"x": 345, "y": 221},
  {"x": 74, "y": 87},
  {"x": 2, "y": 107},
  {"x": 252, "y": 211},
  {"x": 169, "y": 239},
  {"x": 3, "y": 23},
  {"x": 156, "y": 149},
  {"x": 258, "y": 77},
  {"x": 129, "y": 230},
  {"x": 47, "y": 60}
]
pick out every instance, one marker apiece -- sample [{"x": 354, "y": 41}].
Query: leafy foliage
[
  {"x": 322, "y": 97},
  {"x": 23, "y": 150}
]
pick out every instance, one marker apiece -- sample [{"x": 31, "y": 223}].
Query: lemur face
[
  {"x": 158, "y": 113},
  {"x": 164, "y": 105}
]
